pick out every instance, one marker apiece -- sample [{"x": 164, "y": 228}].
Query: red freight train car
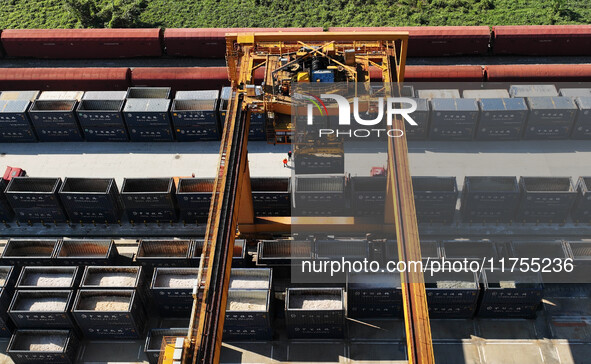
[
  {"x": 542, "y": 40},
  {"x": 82, "y": 43},
  {"x": 444, "y": 74},
  {"x": 538, "y": 72},
  {"x": 181, "y": 78},
  {"x": 86, "y": 79},
  {"x": 210, "y": 42},
  {"x": 439, "y": 41}
]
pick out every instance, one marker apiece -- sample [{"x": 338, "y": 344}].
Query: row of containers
[
  {"x": 483, "y": 199},
  {"x": 148, "y": 114},
  {"x": 142, "y": 114},
  {"x": 522, "y": 111}
]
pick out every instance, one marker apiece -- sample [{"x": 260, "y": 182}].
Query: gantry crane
[{"x": 352, "y": 54}]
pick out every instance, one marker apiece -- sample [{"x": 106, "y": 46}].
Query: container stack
[
  {"x": 374, "y": 295},
  {"x": 249, "y": 311},
  {"x": 91, "y": 200},
  {"x": 109, "y": 304},
  {"x": 453, "y": 118},
  {"x": 195, "y": 116},
  {"x": 368, "y": 195},
  {"x": 546, "y": 199},
  {"x": 451, "y": 294},
  {"x": 317, "y": 195},
  {"x": 146, "y": 114},
  {"x": 15, "y": 125},
  {"x": 100, "y": 116},
  {"x": 315, "y": 313},
  {"x": 35, "y": 199},
  {"x": 435, "y": 198},
  {"x": 490, "y": 199},
  {"x": 271, "y": 196},
  {"x": 149, "y": 199},
  {"x": 510, "y": 294},
  {"x": 582, "y": 208},
  {"x": 194, "y": 198}
]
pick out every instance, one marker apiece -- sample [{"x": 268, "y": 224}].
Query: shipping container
[
  {"x": 283, "y": 252},
  {"x": 146, "y": 112},
  {"x": 8, "y": 277},
  {"x": 149, "y": 199},
  {"x": 533, "y": 91},
  {"x": 148, "y": 93},
  {"x": 19, "y": 95},
  {"x": 239, "y": 255},
  {"x": 154, "y": 341},
  {"x": 33, "y": 192},
  {"x": 48, "y": 278},
  {"x": 248, "y": 308},
  {"x": 501, "y": 118},
  {"x": 151, "y": 134},
  {"x": 490, "y": 199},
  {"x": 42, "y": 309},
  {"x": 374, "y": 295},
  {"x": 105, "y": 134},
  {"x": 582, "y": 127},
  {"x": 195, "y": 120},
  {"x": 548, "y": 199},
  {"x": 164, "y": 252},
  {"x": 458, "y": 250},
  {"x": 542, "y": 40},
  {"x": 368, "y": 195},
  {"x": 582, "y": 208},
  {"x": 15, "y": 125},
  {"x": 113, "y": 277},
  {"x": 438, "y": 94},
  {"x": 319, "y": 192},
  {"x": 82, "y": 43},
  {"x": 485, "y": 94},
  {"x": 251, "y": 278},
  {"x": 6, "y": 212},
  {"x": 580, "y": 252},
  {"x": 86, "y": 252},
  {"x": 103, "y": 113},
  {"x": 575, "y": 92},
  {"x": 451, "y": 295},
  {"x": 194, "y": 198},
  {"x": 453, "y": 119},
  {"x": 109, "y": 314},
  {"x": 171, "y": 290},
  {"x": 21, "y": 252},
  {"x": 61, "y": 95},
  {"x": 510, "y": 294},
  {"x": 83, "y": 78},
  {"x": 435, "y": 198},
  {"x": 545, "y": 251},
  {"x": 421, "y": 117},
  {"x": 350, "y": 249},
  {"x": 43, "y": 346},
  {"x": 55, "y": 120},
  {"x": 550, "y": 117},
  {"x": 210, "y": 42},
  {"x": 104, "y": 95},
  {"x": 181, "y": 78},
  {"x": 315, "y": 313},
  {"x": 6, "y": 324},
  {"x": 429, "y": 41},
  {"x": 271, "y": 196},
  {"x": 386, "y": 250},
  {"x": 91, "y": 199}
]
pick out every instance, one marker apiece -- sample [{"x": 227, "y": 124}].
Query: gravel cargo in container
[
  {"x": 171, "y": 290},
  {"x": 39, "y": 309},
  {"x": 46, "y": 278},
  {"x": 315, "y": 313},
  {"x": 248, "y": 315},
  {"x": 112, "y": 277}
]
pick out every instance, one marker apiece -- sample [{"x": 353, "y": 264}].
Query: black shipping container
[
  {"x": 283, "y": 252},
  {"x": 582, "y": 208},
  {"x": 149, "y": 199},
  {"x": 17, "y": 134},
  {"x": 58, "y": 134},
  {"x": 582, "y": 127},
  {"x": 14, "y": 122},
  {"x": 318, "y": 162},
  {"x": 510, "y": 294},
  {"x": 171, "y": 290},
  {"x": 251, "y": 278},
  {"x": 55, "y": 120},
  {"x": 368, "y": 195},
  {"x": 148, "y": 93},
  {"x": 501, "y": 118},
  {"x": 96, "y": 321},
  {"x": 242, "y": 333},
  {"x": 194, "y": 198},
  {"x": 542, "y": 250},
  {"x": 35, "y": 199},
  {"x": 164, "y": 252},
  {"x": 26, "y": 313},
  {"x": 550, "y": 117},
  {"x": 101, "y": 113},
  {"x": 435, "y": 198},
  {"x": 580, "y": 252},
  {"x": 532, "y": 90},
  {"x": 195, "y": 120},
  {"x": 372, "y": 295},
  {"x": 451, "y": 294},
  {"x": 493, "y": 199},
  {"x": 145, "y": 113},
  {"x": 113, "y": 277},
  {"x": 20, "y": 252},
  {"x": 271, "y": 196},
  {"x": 26, "y": 346},
  {"x": 472, "y": 250},
  {"x": 86, "y": 252},
  {"x": 320, "y": 192},
  {"x": 6, "y": 213},
  {"x": 48, "y": 278},
  {"x": 421, "y": 117},
  {"x": 258, "y": 313},
  {"x": 105, "y": 134},
  {"x": 91, "y": 199},
  {"x": 454, "y": 112},
  {"x": 154, "y": 341},
  {"x": 318, "y": 322},
  {"x": 6, "y": 325},
  {"x": 150, "y": 134},
  {"x": 341, "y": 249},
  {"x": 546, "y": 199}
]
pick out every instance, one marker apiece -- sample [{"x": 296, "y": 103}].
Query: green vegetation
[{"x": 287, "y": 13}]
